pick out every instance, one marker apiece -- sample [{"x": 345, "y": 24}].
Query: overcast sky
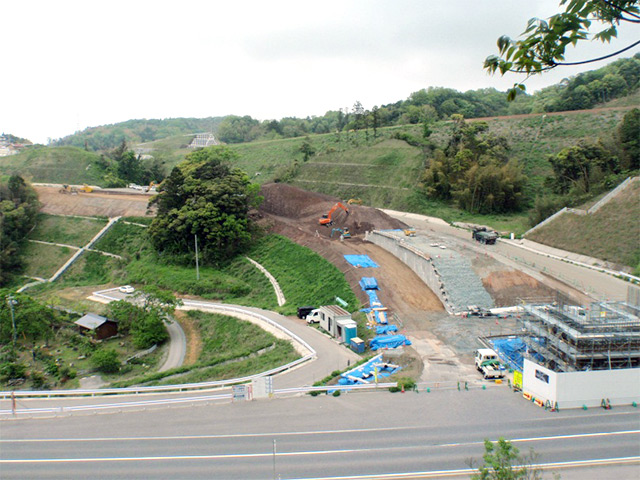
[{"x": 68, "y": 65}]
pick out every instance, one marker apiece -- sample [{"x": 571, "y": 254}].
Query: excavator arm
[{"x": 326, "y": 219}]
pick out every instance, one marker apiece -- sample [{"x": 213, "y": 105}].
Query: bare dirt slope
[
  {"x": 295, "y": 213},
  {"x": 96, "y": 203}
]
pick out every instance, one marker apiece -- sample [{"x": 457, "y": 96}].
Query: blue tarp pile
[
  {"x": 386, "y": 334},
  {"x": 361, "y": 261},
  {"x": 366, "y": 373},
  {"x": 386, "y": 329},
  {"x": 388, "y": 341},
  {"x": 368, "y": 283},
  {"x": 511, "y": 350}
]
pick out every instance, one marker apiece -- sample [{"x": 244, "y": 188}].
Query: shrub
[
  {"x": 106, "y": 361},
  {"x": 12, "y": 371}
]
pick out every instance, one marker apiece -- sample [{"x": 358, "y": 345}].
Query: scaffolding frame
[{"x": 572, "y": 337}]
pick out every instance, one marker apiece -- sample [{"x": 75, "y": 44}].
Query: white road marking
[{"x": 316, "y": 432}]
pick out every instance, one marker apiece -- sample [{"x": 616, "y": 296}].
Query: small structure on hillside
[
  {"x": 102, "y": 326},
  {"x": 202, "y": 140}
]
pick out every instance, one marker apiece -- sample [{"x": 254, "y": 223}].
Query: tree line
[{"x": 582, "y": 91}]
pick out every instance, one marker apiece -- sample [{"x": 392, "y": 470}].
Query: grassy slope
[
  {"x": 55, "y": 165},
  {"x": 66, "y": 230},
  {"x": 611, "y": 234}
]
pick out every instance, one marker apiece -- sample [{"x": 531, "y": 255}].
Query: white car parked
[{"x": 127, "y": 289}]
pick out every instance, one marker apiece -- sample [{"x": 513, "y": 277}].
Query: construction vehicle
[
  {"x": 152, "y": 186},
  {"x": 409, "y": 232},
  {"x": 482, "y": 235},
  {"x": 488, "y": 363},
  {"x": 354, "y": 201},
  {"x": 344, "y": 232},
  {"x": 68, "y": 189},
  {"x": 326, "y": 219},
  {"x": 85, "y": 188}
]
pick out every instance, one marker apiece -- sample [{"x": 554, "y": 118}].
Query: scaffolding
[{"x": 570, "y": 337}]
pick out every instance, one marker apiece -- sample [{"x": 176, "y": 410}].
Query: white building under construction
[{"x": 582, "y": 356}]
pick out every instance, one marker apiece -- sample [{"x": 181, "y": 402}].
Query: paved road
[
  {"x": 373, "y": 434},
  {"x": 573, "y": 279},
  {"x": 177, "y": 346}
]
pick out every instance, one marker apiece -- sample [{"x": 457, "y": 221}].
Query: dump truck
[
  {"x": 482, "y": 235},
  {"x": 488, "y": 363}
]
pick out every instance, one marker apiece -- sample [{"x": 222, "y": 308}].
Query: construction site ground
[{"x": 443, "y": 345}]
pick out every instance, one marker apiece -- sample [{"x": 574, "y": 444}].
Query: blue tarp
[
  {"x": 361, "y": 261},
  {"x": 388, "y": 341},
  {"x": 511, "y": 351},
  {"x": 374, "y": 301},
  {"x": 368, "y": 283},
  {"x": 385, "y": 329},
  {"x": 366, "y": 372}
]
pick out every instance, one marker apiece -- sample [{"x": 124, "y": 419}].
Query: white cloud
[{"x": 73, "y": 64}]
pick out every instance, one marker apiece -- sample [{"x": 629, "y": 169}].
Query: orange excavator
[{"x": 326, "y": 219}]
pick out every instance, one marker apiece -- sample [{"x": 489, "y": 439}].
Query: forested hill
[
  {"x": 584, "y": 91},
  {"x": 107, "y": 137}
]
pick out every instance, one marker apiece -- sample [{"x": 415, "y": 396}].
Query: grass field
[
  {"x": 44, "y": 260},
  {"x": 66, "y": 230},
  {"x": 68, "y": 165}
]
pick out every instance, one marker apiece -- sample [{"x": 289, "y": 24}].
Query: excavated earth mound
[{"x": 307, "y": 208}]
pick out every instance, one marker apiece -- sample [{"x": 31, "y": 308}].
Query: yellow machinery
[
  {"x": 410, "y": 232},
  {"x": 151, "y": 186},
  {"x": 354, "y": 201},
  {"x": 86, "y": 188},
  {"x": 68, "y": 189}
]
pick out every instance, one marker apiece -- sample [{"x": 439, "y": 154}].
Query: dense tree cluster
[
  {"x": 474, "y": 169},
  {"x": 204, "y": 197},
  {"x": 32, "y": 319},
  {"x": 18, "y": 210},
  {"x": 127, "y": 167}
]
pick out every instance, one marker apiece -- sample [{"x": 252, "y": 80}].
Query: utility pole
[
  {"x": 197, "y": 266},
  {"x": 11, "y": 302}
]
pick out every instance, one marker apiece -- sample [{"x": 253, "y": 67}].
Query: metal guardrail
[{"x": 59, "y": 410}]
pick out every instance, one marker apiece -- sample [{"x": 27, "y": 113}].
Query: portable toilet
[
  {"x": 357, "y": 345},
  {"x": 346, "y": 330}
]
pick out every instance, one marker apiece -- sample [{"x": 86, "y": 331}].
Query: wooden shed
[{"x": 102, "y": 326}]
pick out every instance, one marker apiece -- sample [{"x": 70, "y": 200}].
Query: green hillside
[
  {"x": 612, "y": 233},
  {"x": 55, "y": 165}
]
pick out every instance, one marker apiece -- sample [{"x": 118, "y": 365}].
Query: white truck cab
[{"x": 488, "y": 363}]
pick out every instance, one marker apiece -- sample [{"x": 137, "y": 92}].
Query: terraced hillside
[
  {"x": 68, "y": 165},
  {"x": 612, "y": 233}
]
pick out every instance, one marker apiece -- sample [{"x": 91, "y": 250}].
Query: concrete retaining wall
[{"x": 416, "y": 260}]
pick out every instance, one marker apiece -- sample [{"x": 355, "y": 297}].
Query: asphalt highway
[{"x": 366, "y": 435}]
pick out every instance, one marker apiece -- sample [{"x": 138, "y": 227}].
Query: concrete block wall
[{"x": 416, "y": 260}]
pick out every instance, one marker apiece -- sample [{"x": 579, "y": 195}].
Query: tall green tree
[
  {"x": 205, "y": 196},
  {"x": 503, "y": 461},
  {"x": 18, "y": 212},
  {"x": 578, "y": 167},
  {"x": 544, "y": 42},
  {"x": 629, "y": 136}
]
